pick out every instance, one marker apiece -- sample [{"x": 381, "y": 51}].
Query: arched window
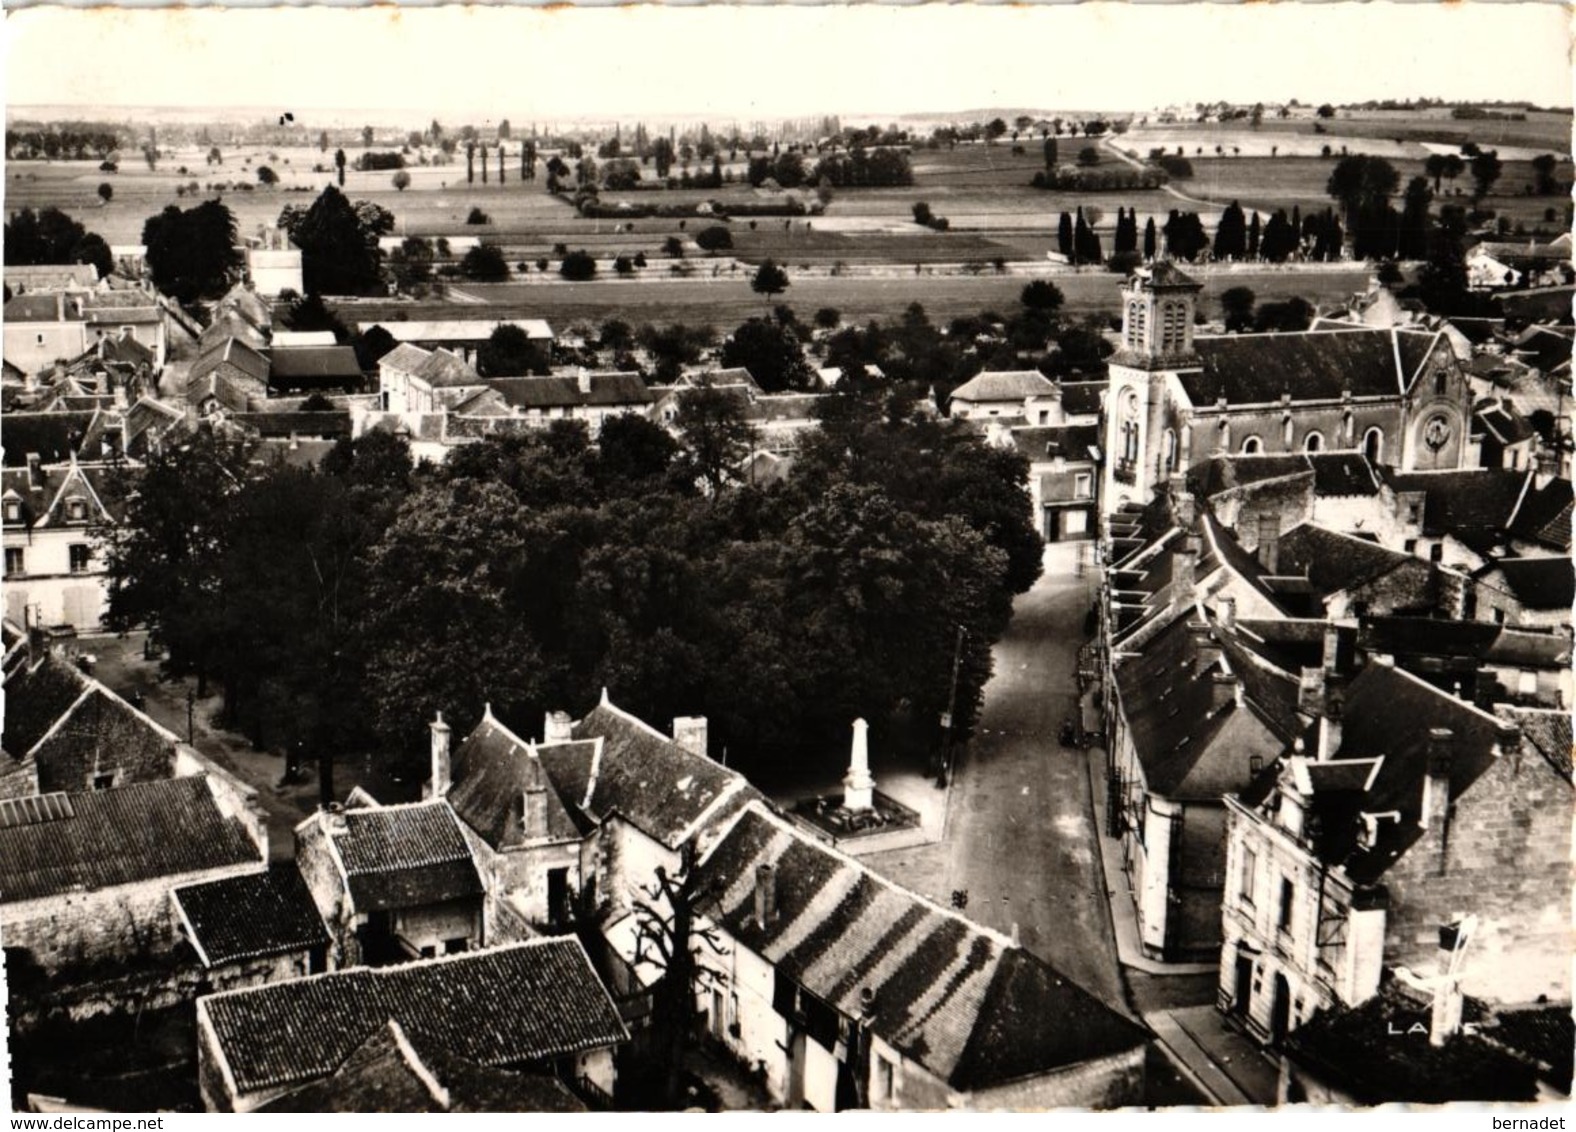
[
  {"x": 1175, "y": 316},
  {"x": 1373, "y": 445},
  {"x": 1224, "y": 440},
  {"x": 1313, "y": 442},
  {"x": 1348, "y": 428},
  {"x": 1169, "y": 451},
  {"x": 1136, "y": 319},
  {"x": 1252, "y": 446},
  {"x": 1287, "y": 433}
]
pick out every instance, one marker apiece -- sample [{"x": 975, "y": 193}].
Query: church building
[{"x": 1397, "y": 395}]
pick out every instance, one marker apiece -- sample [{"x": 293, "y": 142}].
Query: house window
[
  {"x": 13, "y": 510},
  {"x": 1313, "y": 442},
  {"x": 77, "y": 510},
  {"x": 1436, "y": 553},
  {"x": 1045, "y": 416},
  {"x": 1528, "y": 685},
  {"x": 1283, "y": 915},
  {"x": 81, "y": 557},
  {"x": 886, "y": 1079},
  {"x": 15, "y": 561},
  {"x": 1373, "y": 445},
  {"x": 104, "y": 781},
  {"x": 1410, "y": 545},
  {"x": 1250, "y": 864},
  {"x": 1440, "y": 380},
  {"x": 429, "y": 952},
  {"x": 456, "y": 946},
  {"x": 1083, "y": 486},
  {"x": 1252, "y": 446}
]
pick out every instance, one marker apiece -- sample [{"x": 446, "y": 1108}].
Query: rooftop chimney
[
  {"x": 1435, "y": 815},
  {"x": 1332, "y": 649},
  {"x": 558, "y": 728},
  {"x": 1310, "y": 691},
  {"x": 689, "y": 732},
  {"x": 1224, "y": 689},
  {"x": 1330, "y": 719},
  {"x": 1226, "y": 612},
  {"x": 765, "y": 895},
  {"x": 438, "y": 784},
  {"x": 1547, "y": 464},
  {"x": 1269, "y": 543},
  {"x": 533, "y": 802}
]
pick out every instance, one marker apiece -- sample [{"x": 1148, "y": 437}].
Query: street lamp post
[{"x": 191, "y": 704}]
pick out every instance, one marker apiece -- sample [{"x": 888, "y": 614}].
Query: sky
[{"x": 767, "y": 61}]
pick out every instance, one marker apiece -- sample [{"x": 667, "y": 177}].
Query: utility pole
[
  {"x": 191, "y": 704},
  {"x": 946, "y": 716}
]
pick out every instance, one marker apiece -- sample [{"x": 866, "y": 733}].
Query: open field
[{"x": 726, "y": 302}]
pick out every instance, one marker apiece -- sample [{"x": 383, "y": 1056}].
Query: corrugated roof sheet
[{"x": 501, "y": 1007}]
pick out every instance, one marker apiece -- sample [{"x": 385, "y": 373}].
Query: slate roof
[
  {"x": 1499, "y": 419},
  {"x": 443, "y": 369},
  {"x": 234, "y": 351},
  {"x": 505, "y": 1006},
  {"x": 1189, "y": 749},
  {"x": 51, "y": 277},
  {"x": 492, "y": 769},
  {"x": 125, "y": 835},
  {"x": 1369, "y": 1053},
  {"x": 302, "y": 366},
  {"x": 653, "y": 783},
  {"x": 1005, "y": 385},
  {"x": 556, "y": 392},
  {"x": 1388, "y": 713},
  {"x": 41, "y": 509},
  {"x": 54, "y": 307},
  {"x": 404, "y": 856},
  {"x": 1463, "y": 503},
  {"x": 1343, "y": 473},
  {"x": 386, "y": 1073},
  {"x": 1071, "y": 442},
  {"x": 35, "y": 699},
  {"x": 1547, "y": 730},
  {"x": 53, "y": 437},
  {"x": 265, "y": 913},
  {"x": 1256, "y": 369},
  {"x": 959, "y": 1000},
  {"x": 1547, "y": 583},
  {"x": 116, "y": 308},
  {"x": 1544, "y": 515},
  {"x": 1333, "y": 561}
]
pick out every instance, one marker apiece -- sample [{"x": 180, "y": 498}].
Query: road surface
[{"x": 1021, "y": 841}]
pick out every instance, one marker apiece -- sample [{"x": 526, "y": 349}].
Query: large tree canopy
[
  {"x": 339, "y": 243},
  {"x": 192, "y": 254},
  {"x": 51, "y": 237}
]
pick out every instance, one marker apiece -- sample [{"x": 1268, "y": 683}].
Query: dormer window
[
  {"x": 13, "y": 510},
  {"x": 76, "y": 510}
]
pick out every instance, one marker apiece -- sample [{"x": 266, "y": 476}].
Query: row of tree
[
  {"x": 340, "y": 608},
  {"x": 51, "y": 236}
]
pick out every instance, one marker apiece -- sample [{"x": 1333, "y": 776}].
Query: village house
[
  {"x": 49, "y": 278},
  {"x": 273, "y": 264},
  {"x": 466, "y": 336},
  {"x": 1496, "y": 265},
  {"x": 1025, "y": 395},
  {"x": 535, "y": 1008},
  {"x": 1401, "y": 1045},
  {"x": 1064, "y": 473},
  {"x": 313, "y": 369},
  {"x": 583, "y": 396},
  {"x": 1508, "y": 439},
  {"x": 227, "y": 377},
  {"x": 1193, "y": 716},
  {"x": 1399, "y": 812},
  {"x": 414, "y": 380},
  {"x": 1477, "y": 660},
  {"x": 50, "y": 514},
  {"x": 847, "y": 991},
  {"x": 392, "y": 883},
  {"x": 259, "y": 927},
  {"x": 1533, "y": 592},
  {"x": 1397, "y": 396}
]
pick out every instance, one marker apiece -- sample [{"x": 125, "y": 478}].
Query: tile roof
[
  {"x": 404, "y": 357},
  {"x": 1500, "y": 420},
  {"x": 553, "y": 392},
  {"x": 1545, "y": 1035},
  {"x": 1547, "y": 583},
  {"x": 1371, "y": 1053},
  {"x": 51, "y": 276},
  {"x": 444, "y": 369},
  {"x": 961, "y": 1001},
  {"x": 403, "y": 856},
  {"x": 386, "y": 1073},
  {"x": 1071, "y": 442},
  {"x": 509, "y": 1005},
  {"x": 264, "y": 913},
  {"x": 1544, "y": 515},
  {"x": 1256, "y": 369},
  {"x": 320, "y": 424},
  {"x": 1343, "y": 473},
  {"x": 121, "y": 307},
  {"x": 1005, "y": 385},
  {"x": 492, "y": 769},
  {"x": 1547, "y": 730},
  {"x": 121, "y": 836},
  {"x": 653, "y": 783},
  {"x": 36, "y": 699}
]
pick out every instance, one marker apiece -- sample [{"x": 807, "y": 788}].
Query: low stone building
[
  {"x": 534, "y": 1007},
  {"x": 847, "y": 991},
  {"x": 391, "y": 882},
  {"x": 251, "y": 929}
]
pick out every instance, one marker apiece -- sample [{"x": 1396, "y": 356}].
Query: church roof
[{"x": 1258, "y": 369}]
